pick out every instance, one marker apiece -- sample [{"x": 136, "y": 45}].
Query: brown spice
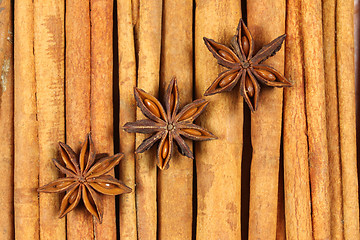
[
  {"x": 312, "y": 32},
  {"x": 7, "y": 121},
  {"x": 127, "y": 81},
  {"x": 168, "y": 124},
  {"x": 49, "y": 42},
  {"x": 85, "y": 176},
  {"x": 244, "y": 66},
  {"x": 295, "y": 142}
]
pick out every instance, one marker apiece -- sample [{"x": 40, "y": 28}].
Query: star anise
[
  {"x": 168, "y": 124},
  {"x": 85, "y": 176},
  {"x": 244, "y": 66}
]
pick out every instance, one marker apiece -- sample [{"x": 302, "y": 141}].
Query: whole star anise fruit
[
  {"x": 85, "y": 177},
  {"x": 244, "y": 66},
  {"x": 167, "y": 124}
]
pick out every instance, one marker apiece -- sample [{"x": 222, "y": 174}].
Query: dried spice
[
  {"x": 85, "y": 176},
  {"x": 167, "y": 124},
  {"x": 243, "y": 65}
]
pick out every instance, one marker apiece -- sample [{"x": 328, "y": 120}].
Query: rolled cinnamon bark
[
  {"x": 266, "y": 21},
  {"x": 346, "y": 91},
  {"x": 77, "y": 28},
  {"x": 127, "y": 82},
  {"x": 296, "y": 165},
  {"x": 101, "y": 102},
  {"x": 280, "y": 225},
  {"x": 218, "y": 162},
  {"x": 175, "y": 185},
  {"x": 148, "y": 44},
  {"x": 26, "y": 167},
  {"x": 316, "y": 116},
  {"x": 332, "y": 119},
  {"x": 49, "y": 42},
  {"x": 7, "y": 121}
]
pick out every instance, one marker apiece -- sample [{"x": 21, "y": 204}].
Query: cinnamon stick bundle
[
  {"x": 148, "y": 44},
  {"x": 218, "y": 162},
  {"x": 127, "y": 82},
  {"x": 26, "y": 167},
  {"x": 49, "y": 42},
  {"x": 101, "y": 100},
  {"x": 332, "y": 119},
  {"x": 175, "y": 185},
  {"x": 6, "y": 121},
  {"x": 347, "y": 122},
  {"x": 295, "y": 143},
  {"x": 316, "y": 116},
  {"x": 77, "y": 27},
  {"x": 266, "y": 21}
]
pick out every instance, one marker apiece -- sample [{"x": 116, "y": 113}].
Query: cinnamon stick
[
  {"x": 281, "y": 225},
  {"x": 127, "y": 82},
  {"x": 175, "y": 185},
  {"x": 218, "y": 162},
  {"x": 296, "y": 166},
  {"x": 148, "y": 44},
  {"x": 316, "y": 116},
  {"x": 332, "y": 119},
  {"x": 101, "y": 101},
  {"x": 26, "y": 167},
  {"x": 77, "y": 27},
  {"x": 266, "y": 21},
  {"x": 346, "y": 91},
  {"x": 49, "y": 68},
  {"x": 6, "y": 120}
]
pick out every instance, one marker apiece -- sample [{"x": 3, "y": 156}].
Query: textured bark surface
[
  {"x": 316, "y": 117},
  {"x": 332, "y": 119},
  {"x": 148, "y": 45},
  {"x": 49, "y": 40},
  {"x": 7, "y": 120},
  {"x": 26, "y": 167},
  {"x": 127, "y": 82},
  {"x": 266, "y": 122},
  {"x": 101, "y": 102},
  {"x": 77, "y": 29},
  {"x": 175, "y": 185},
  {"x": 295, "y": 141},
  {"x": 218, "y": 162},
  {"x": 346, "y": 91}
]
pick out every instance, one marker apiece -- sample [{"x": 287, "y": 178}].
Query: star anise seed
[
  {"x": 167, "y": 124},
  {"x": 85, "y": 176},
  {"x": 244, "y": 66}
]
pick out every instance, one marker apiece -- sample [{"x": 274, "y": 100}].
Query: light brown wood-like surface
[
  {"x": 148, "y": 45},
  {"x": 77, "y": 30},
  {"x": 26, "y": 166},
  {"x": 49, "y": 41},
  {"x": 266, "y": 123},
  {"x": 127, "y": 82},
  {"x": 218, "y": 162},
  {"x": 316, "y": 117},
  {"x": 175, "y": 185},
  {"x": 295, "y": 142},
  {"x": 7, "y": 120}
]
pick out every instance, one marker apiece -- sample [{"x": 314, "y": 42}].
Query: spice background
[{"x": 289, "y": 170}]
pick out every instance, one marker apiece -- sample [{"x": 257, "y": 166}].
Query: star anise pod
[
  {"x": 167, "y": 124},
  {"x": 243, "y": 66},
  {"x": 85, "y": 176}
]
